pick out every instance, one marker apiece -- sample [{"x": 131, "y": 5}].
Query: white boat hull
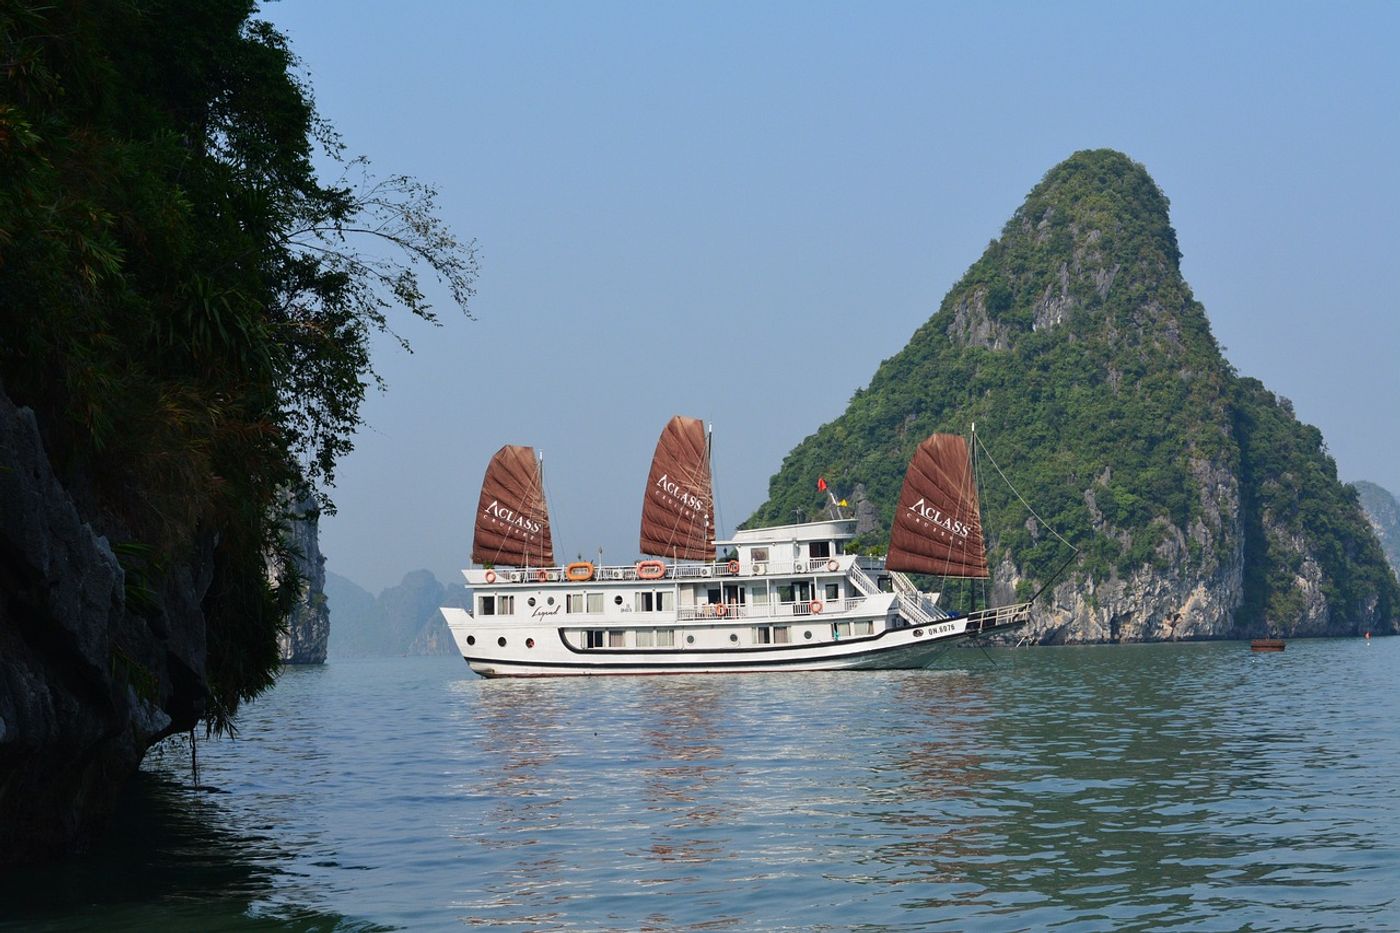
[{"x": 544, "y": 651}]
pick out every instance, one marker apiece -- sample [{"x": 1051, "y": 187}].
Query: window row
[{"x": 650, "y": 601}]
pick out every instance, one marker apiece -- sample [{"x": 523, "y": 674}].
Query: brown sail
[
  {"x": 937, "y": 526},
  {"x": 678, "y": 513},
  {"x": 512, "y": 519}
]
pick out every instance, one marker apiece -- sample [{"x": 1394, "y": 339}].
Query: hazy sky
[{"x": 736, "y": 211}]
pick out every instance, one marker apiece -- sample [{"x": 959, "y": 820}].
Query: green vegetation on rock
[
  {"x": 1091, "y": 373},
  {"x": 184, "y": 303}
]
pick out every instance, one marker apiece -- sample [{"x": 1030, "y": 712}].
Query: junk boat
[{"x": 784, "y": 598}]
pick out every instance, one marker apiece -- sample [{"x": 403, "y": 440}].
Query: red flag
[{"x": 821, "y": 484}]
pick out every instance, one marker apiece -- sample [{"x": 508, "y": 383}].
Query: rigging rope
[{"x": 1010, "y": 486}]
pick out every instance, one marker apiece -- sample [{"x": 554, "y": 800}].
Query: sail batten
[
  {"x": 512, "y": 517},
  {"x": 678, "y": 513},
  {"x": 937, "y": 527}
]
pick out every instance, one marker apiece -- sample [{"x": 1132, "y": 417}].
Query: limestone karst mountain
[
  {"x": 1201, "y": 506},
  {"x": 1383, "y": 510},
  {"x": 402, "y": 620}
]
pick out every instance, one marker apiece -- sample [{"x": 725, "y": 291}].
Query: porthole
[
  {"x": 807, "y": 634},
  {"x": 734, "y": 637},
  {"x": 690, "y": 639},
  {"x": 918, "y": 633},
  {"x": 529, "y": 643},
  {"x": 551, "y": 600},
  {"x": 531, "y": 600},
  {"x": 617, "y": 600},
  {"x": 471, "y": 639},
  {"x": 501, "y": 641}
]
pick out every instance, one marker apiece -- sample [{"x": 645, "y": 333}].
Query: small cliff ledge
[
  {"x": 89, "y": 678},
  {"x": 308, "y": 627}
]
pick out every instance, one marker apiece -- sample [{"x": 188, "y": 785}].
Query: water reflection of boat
[{"x": 791, "y": 597}]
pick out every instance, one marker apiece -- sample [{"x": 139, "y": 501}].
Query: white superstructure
[{"x": 784, "y": 598}]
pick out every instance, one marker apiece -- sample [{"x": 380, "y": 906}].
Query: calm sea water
[{"x": 1194, "y": 786}]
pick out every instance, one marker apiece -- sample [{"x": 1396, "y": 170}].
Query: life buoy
[
  {"x": 541, "y": 575},
  {"x": 721, "y": 609},
  {"x": 833, "y": 565},
  {"x": 733, "y": 567},
  {"x": 650, "y": 570},
  {"x": 579, "y": 571},
  {"x": 815, "y": 607},
  {"x": 490, "y": 576}
]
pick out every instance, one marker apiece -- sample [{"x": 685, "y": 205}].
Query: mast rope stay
[
  {"x": 1009, "y": 485},
  {"x": 1074, "y": 551}
]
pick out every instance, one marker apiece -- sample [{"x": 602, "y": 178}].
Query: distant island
[
  {"x": 403, "y": 620},
  {"x": 1384, "y": 512},
  {"x": 1201, "y": 506}
]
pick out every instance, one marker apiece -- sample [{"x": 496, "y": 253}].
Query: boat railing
[
  {"x": 999, "y": 617},
  {"x": 920, "y": 605},
  {"x": 656, "y": 570},
  {"x": 862, "y": 580}
]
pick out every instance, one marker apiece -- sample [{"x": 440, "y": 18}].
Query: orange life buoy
[
  {"x": 579, "y": 571},
  {"x": 721, "y": 609},
  {"x": 541, "y": 576},
  {"x": 815, "y": 607},
  {"x": 651, "y": 570},
  {"x": 833, "y": 564},
  {"x": 733, "y": 566},
  {"x": 490, "y": 576}
]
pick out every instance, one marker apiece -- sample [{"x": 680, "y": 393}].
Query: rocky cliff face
[
  {"x": 308, "y": 627},
  {"x": 1201, "y": 507},
  {"x": 94, "y": 666}
]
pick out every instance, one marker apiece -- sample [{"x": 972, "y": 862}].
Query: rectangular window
[
  {"x": 595, "y": 638},
  {"x": 505, "y": 605},
  {"x": 780, "y": 635},
  {"x": 861, "y": 628},
  {"x": 573, "y": 602},
  {"x": 595, "y": 602},
  {"x": 759, "y": 596},
  {"x": 785, "y": 593},
  {"x": 665, "y": 637},
  {"x": 819, "y": 549},
  {"x": 617, "y": 639},
  {"x": 645, "y": 638},
  {"x": 841, "y": 629},
  {"x": 486, "y": 605},
  {"x": 833, "y": 592},
  {"x": 763, "y": 635},
  {"x": 661, "y": 601},
  {"x": 759, "y": 555}
]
